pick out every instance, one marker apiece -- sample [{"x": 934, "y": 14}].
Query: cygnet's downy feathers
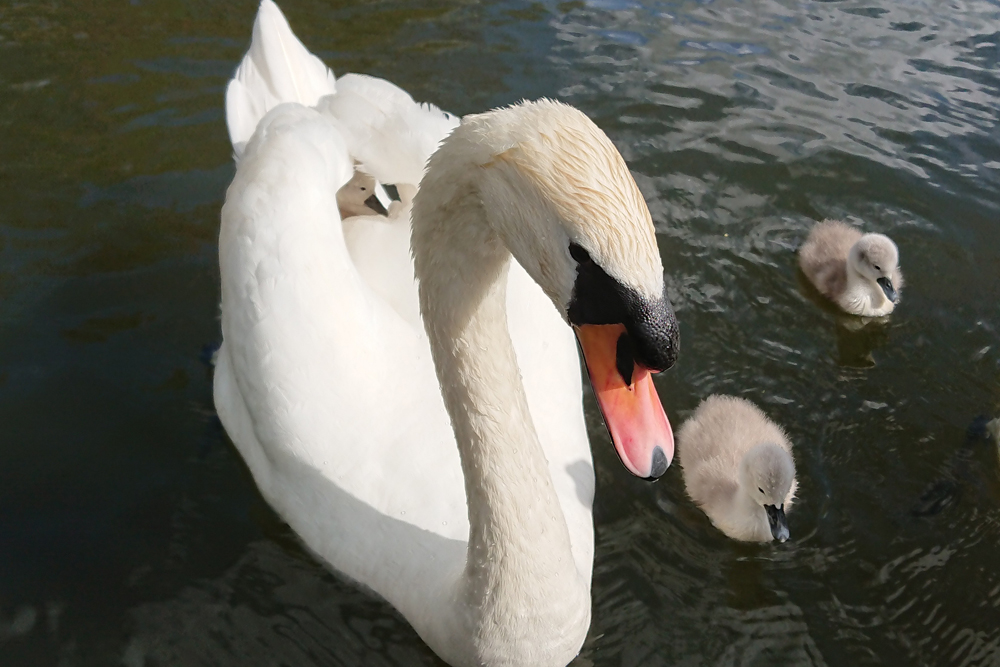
[
  {"x": 859, "y": 272},
  {"x": 358, "y": 197},
  {"x": 738, "y": 468}
]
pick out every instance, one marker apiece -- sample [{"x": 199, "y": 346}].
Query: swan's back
[
  {"x": 823, "y": 257},
  {"x": 711, "y": 445}
]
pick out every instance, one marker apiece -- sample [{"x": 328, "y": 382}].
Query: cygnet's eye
[
  {"x": 760, "y": 489},
  {"x": 878, "y": 268},
  {"x": 363, "y": 188}
]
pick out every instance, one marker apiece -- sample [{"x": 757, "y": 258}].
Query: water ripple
[{"x": 845, "y": 78}]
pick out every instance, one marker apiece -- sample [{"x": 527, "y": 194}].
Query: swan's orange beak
[{"x": 625, "y": 392}]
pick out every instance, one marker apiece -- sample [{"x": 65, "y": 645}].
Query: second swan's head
[{"x": 553, "y": 189}]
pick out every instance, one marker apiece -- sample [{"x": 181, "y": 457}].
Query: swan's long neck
[{"x": 520, "y": 588}]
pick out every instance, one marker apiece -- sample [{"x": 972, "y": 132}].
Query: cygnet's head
[
  {"x": 357, "y": 197},
  {"x": 767, "y": 474},
  {"x": 876, "y": 258}
]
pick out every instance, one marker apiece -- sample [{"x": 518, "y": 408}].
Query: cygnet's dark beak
[
  {"x": 886, "y": 285},
  {"x": 777, "y": 521},
  {"x": 374, "y": 204}
]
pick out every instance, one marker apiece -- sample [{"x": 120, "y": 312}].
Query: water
[{"x": 131, "y": 533}]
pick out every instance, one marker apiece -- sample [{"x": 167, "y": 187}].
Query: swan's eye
[{"x": 363, "y": 188}]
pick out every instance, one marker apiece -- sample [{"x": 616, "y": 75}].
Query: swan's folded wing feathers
[
  {"x": 276, "y": 69},
  {"x": 288, "y": 284},
  {"x": 243, "y": 111},
  {"x": 390, "y": 134}
]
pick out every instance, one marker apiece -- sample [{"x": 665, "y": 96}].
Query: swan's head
[
  {"x": 559, "y": 196},
  {"x": 876, "y": 258},
  {"x": 767, "y": 474}
]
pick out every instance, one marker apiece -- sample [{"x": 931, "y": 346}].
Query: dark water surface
[{"x": 130, "y": 532}]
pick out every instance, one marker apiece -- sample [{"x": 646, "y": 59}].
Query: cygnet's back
[
  {"x": 736, "y": 462},
  {"x": 823, "y": 256}
]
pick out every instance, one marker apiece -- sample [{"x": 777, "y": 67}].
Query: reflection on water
[
  {"x": 857, "y": 337},
  {"x": 855, "y": 343},
  {"x": 131, "y": 533},
  {"x": 271, "y": 603}
]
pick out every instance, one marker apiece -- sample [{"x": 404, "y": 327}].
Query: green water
[{"x": 130, "y": 532}]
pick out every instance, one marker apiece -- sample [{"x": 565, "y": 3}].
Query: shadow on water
[
  {"x": 130, "y": 533},
  {"x": 857, "y": 337}
]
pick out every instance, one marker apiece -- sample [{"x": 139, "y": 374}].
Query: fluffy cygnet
[
  {"x": 859, "y": 272},
  {"x": 738, "y": 468},
  {"x": 357, "y": 197}
]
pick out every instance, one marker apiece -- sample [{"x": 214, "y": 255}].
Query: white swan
[
  {"x": 859, "y": 272},
  {"x": 444, "y": 465},
  {"x": 737, "y": 466}
]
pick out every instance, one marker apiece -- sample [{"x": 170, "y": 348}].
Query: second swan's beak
[
  {"x": 625, "y": 393},
  {"x": 886, "y": 285}
]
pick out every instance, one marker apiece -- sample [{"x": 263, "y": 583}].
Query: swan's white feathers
[
  {"x": 380, "y": 250},
  {"x": 387, "y": 132},
  {"x": 309, "y": 342},
  {"x": 276, "y": 69},
  {"x": 312, "y": 350},
  {"x": 325, "y": 380}
]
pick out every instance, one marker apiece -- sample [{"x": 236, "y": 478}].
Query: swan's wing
[
  {"x": 390, "y": 134},
  {"x": 276, "y": 69},
  {"x": 282, "y": 254},
  {"x": 380, "y": 248},
  {"x": 329, "y": 396},
  {"x": 330, "y": 375}
]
